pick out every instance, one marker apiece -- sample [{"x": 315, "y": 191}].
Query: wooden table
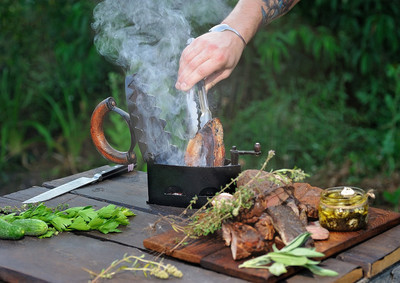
[{"x": 62, "y": 257}]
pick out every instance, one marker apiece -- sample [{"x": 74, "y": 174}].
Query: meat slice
[
  {"x": 265, "y": 227},
  {"x": 287, "y": 223},
  {"x": 309, "y": 196},
  {"x": 266, "y": 193},
  {"x": 207, "y": 147},
  {"x": 317, "y": 231},
  {"x": 243, "y": 239}
]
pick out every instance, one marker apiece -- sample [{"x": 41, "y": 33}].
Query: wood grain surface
[
  {"x": 361, "y": 254},
  {"x": 211, "y": 254}
]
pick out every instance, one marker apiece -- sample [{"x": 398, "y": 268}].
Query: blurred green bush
[{"x": 320, "y": 86}]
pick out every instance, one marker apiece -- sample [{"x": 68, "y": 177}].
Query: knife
[{"x": 80, "y": 182}]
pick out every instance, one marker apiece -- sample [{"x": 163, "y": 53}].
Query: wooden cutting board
[{"x": 211, "y": 253}]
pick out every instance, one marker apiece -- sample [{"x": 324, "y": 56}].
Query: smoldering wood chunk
[
  {"x": 207, "y": 147},
  {"x": 287, "y": 223},
  {"x": 243, "y": 239}
]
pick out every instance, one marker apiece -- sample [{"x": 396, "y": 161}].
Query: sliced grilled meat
[
  {"x": 309, "y": 196},
  {"x": 243, "y": 239},
  {"x": 286, "y": 223},
  {"x": 266, "y": 194},
  {"x": 317, "y": 231},
  {"x": 265, "y": 227}
]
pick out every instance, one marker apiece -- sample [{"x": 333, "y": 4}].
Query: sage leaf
[
  {"x": 297, "y": 242},
  {"x": 291, "y": 255},
  {"x": 255, "y": 262},
  {"x": 277, "y": 269},
  {"x": 321, "y": 271},
  {"x": 288, "y": 259},
  {"x": 308, "y": 252}
]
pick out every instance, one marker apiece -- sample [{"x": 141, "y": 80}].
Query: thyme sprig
[{"x": 137, "y": 263}]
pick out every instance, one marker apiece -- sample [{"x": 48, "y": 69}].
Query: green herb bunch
[
  {"x": 105, "y": 220},
  {"x": 290, "y": 255},
  {"x": 137, "y": 263}
]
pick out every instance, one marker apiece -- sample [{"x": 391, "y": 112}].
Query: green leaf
[
  {"x": 96, "y": 222},
  {"x": 288, "y": 259},
  {"x": 256, "y": 262},
  {"x": 79, "y": 224},
  {"x": 107, "y": 211},
  {"x": 277, "y": 268},
  {"x": 296, "y": 242},
  {"x": 127, "y": 212},
  {"x": 109, "y": 226},
  {"x": 60, "y": 223},
  {"x": 50, "y": 232},
  {"x": 308, "y": 252},
  {"x": 74, "y": 211},
  {"x": 321, "y": 271},
  {"x": 88, "y": 213}
]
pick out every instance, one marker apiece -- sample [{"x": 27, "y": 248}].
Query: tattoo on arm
[{"x": 274, "y": 9}]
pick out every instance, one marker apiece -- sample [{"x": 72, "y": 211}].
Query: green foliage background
[{"x": 320, "y": 86}]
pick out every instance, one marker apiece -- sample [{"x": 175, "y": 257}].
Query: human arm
[{"x": 214, "y": 55}]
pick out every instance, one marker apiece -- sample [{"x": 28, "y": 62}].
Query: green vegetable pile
[
  {"x": 105, "y": 220},
  {"x": 291, "y": 255}
]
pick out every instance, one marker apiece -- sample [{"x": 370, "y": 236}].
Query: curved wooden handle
[{"x": 99, "y": 139}]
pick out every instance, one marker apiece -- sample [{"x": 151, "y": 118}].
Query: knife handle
[{"x": 113, "y": 171}]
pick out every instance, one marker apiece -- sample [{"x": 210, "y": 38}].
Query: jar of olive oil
[{"x": 343, "y": 208}]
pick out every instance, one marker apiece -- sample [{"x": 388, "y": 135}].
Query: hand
[{"x": 212, "y": 56}]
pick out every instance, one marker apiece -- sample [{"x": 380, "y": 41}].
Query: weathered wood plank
[
  {"x": 221, "y": 259},
  {"x": 62, "y": 259},
  {"x": 193, "y": 250},
  {"x": 379, "y": 220},
  {"x": 133, "y": 235},
  {"x": 128, "y": 190},
  {"x": 376, "y": 254},
  {"x": 60, "y": 181},
  {"x": 348, "y": 272},
  {"x": 219, "y": 262}
]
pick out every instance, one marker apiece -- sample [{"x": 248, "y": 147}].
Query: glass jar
[{"x": 343, "y": 208}]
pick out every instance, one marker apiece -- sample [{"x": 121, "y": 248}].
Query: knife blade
[{"x": 80, "y": 182}]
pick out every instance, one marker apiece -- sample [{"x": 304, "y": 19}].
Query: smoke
[{"x": 146, "y": 38}]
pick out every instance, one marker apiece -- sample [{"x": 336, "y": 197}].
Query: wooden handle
[{"x": 99, "y": 139}]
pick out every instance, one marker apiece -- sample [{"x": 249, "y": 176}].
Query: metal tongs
[
  {"x": 200, "y": 88},
  {"x": 203, "y": 101}
]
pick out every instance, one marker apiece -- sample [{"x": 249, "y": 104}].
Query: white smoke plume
[{"x": 146, "y": 38}]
